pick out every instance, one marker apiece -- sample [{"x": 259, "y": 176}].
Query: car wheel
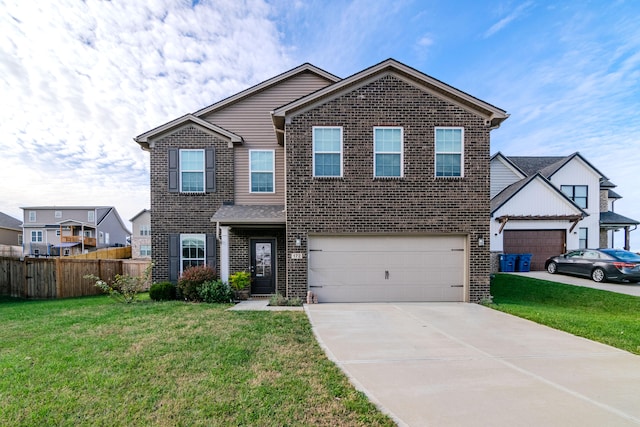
[
  {"x": 598, "y": 275},
  {"x": 552, "y": 268}
]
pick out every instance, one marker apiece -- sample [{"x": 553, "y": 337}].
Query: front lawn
[
  {"x": 90, "y": 361},
  {"x": 603, "y": 316}
]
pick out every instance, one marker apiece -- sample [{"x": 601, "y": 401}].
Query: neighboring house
[
  {"x": 70, "y": 230},
  {"x": 546, "y": 206},
  {"x": 141, "y": 237},
  {"x": 10, "y": 230},
  {"x": 370, "y": 188}
]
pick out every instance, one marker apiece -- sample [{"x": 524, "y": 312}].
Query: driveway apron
[{"x": 458, "y": 364}]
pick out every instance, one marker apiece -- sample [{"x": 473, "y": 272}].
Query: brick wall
[
  {"x": 416, "y": 203},
  {"x": 181, "y": 212}
]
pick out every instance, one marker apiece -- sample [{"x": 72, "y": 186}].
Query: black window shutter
[
  {"x": 210, "y": 169},
  {"x": 173, "y": 170},
  {"x": 211, "y": 251},
  {"x": 174, "y": 257}
]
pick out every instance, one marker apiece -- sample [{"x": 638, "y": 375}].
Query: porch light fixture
[
  {"x": 298, "y": 242},
  {"x": 480, "y": 241}
]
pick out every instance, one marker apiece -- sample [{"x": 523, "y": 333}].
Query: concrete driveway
[{"x": 457, "y": 364}]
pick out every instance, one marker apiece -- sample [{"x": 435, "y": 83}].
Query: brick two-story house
[{"x": 370, "y": 188}]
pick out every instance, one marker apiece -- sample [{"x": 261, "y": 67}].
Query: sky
[{"x": 80, "y": 79}]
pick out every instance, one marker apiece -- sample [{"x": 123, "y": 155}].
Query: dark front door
[{"x": 263, "y": 266}]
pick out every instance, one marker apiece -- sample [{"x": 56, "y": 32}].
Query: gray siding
[
  {"x": 251, "y": 119},
  {"x": 501, "y": 177}
]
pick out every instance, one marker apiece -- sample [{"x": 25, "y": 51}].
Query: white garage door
[{"x": 387, "y": 268}]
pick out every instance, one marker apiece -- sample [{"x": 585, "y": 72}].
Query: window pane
[
  {"x": 388, "y": 140},
  {"x": 387, "y": 164},
  {"x": 261, "y": 161},
  {"x": 326, "y": 139},
  {"x": 448, "y": 140},
  {"x": 192, "y": 181},
  {"x": 327, "y": 165},
  {"x": 261, "y": 182},
  {"x": 192, "y": 160},
  {"x": 448, "y": 165},
  {"x": 581, "y": 191}
]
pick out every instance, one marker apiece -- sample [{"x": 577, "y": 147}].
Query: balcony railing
[{"x": 88, "y": 241}]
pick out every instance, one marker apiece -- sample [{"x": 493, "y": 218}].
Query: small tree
[{"x": 124, "y": 288}]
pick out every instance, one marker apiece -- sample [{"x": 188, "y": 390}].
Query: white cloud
[
  {"x": 515, "y": 14},
  {"x": 80, "y": 79}
]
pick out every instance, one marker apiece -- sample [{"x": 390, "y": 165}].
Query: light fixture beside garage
[
  {"x": 298, "y": 242},
  {"x": 480, "y": 241}
]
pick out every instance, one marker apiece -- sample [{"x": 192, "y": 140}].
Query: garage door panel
[
  {"x": 372, "y": 268},
  {"x": 542, "y": 244}
]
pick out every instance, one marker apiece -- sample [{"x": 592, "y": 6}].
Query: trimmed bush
[
  {"x": 215, "y": 291},
  {"x": 163, "y": 291},
  {"x": 192, "y": 278}
]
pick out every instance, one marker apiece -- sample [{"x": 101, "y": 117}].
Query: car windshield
[{"x": 624, "y": 255}]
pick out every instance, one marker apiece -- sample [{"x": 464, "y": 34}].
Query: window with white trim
[
  {"x": 583, "y": 235},
  {"x": 91, "y": 216},
  {"x": 145, "y": 250},
  {"x": 192, "y": 250},
  {"x": 449, "y": 159},
  {"x": 106, "y": 238},
  {"x": 145, "y": 230},
  {"x": 192, "y": 171},
  {"x": 578, "y": 193},
  {"x": 36, "y": 236},
  {"x": 262, "y": 167},
  {"x": 57, "y": 214},
  {"x": 100, "y": 237},
  {"x": 32, "y": 216},
  {"x": 327, "y": 151},
  {"x": 387, "y": 152}
]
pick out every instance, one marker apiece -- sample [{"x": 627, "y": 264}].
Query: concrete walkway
[
  {"x": 621, "y": 288},
  {"x": 457, "y": 364}
]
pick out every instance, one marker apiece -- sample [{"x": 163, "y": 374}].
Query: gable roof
[
  {"x": 138, "y": 214},
  {"x": 10, "y": 222},
  {"x": 304, "y": 68},
  {"x": 509, "y": 192},
  {"x": 505, "y": 160},
  {"x": 548, "y": 165},
  {"x": 143, "y": 139},
  {"x": 493, "y": 115},
  {"x": 146, "y": 144}
]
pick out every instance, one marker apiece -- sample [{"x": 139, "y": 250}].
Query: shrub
[
  {"x": 215, "y": 291},
  {"x": 192, "y": 278},
  {"x": 124, "y": 288},
  {"x": 163, "y": 291},
  {"x": 240, "y": 280}
]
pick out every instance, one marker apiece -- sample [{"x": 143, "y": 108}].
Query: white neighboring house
[
  {"x": 141, "y": 237},
  {"x": 546, "y": 206}
]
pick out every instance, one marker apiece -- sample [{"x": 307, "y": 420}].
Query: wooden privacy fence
[
  {"x": 107, "y": 253},
  {"x": 60, "y": 277}
]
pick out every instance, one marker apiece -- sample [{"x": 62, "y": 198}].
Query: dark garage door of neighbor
[{"x": 542, "y": 244}]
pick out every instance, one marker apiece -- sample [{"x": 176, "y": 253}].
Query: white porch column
[{"x": 224, "y": 253}]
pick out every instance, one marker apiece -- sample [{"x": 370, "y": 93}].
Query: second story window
[
  {"x": 91, "y": 216},
  {"x": 32, "y": 216},
  {"x": 387, "y": 147},
  {"x": 192, "y": 171},
  {"x": 262, "y": 168},
  {"x": 578, "y": 193},
  {"x": 449, "y": 152},
  {"x": 327, "y": 151},
  {"x": 145, "y": 230}
]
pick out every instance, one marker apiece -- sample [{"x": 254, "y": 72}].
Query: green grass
[
  {"x": 90, "y": 361},
  {"x": 603, "y": 316}
]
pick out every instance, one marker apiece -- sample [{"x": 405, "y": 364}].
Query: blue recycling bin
[
  {"x": 508, "y": 263},
  {"x": 524, "y": 262}
]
